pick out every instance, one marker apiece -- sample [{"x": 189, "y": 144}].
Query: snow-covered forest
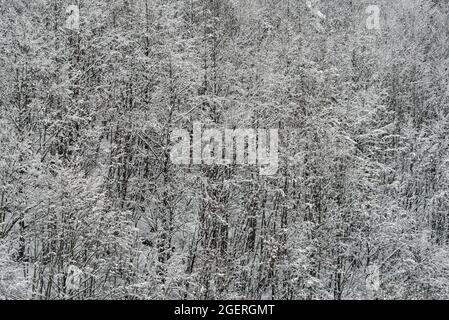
[{"x": 93, "y": 207}]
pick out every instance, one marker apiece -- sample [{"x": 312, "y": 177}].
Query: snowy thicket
[{"x": 91, "y": 207}]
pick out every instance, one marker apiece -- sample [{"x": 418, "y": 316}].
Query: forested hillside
[{"x": 92, "y": 206}]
